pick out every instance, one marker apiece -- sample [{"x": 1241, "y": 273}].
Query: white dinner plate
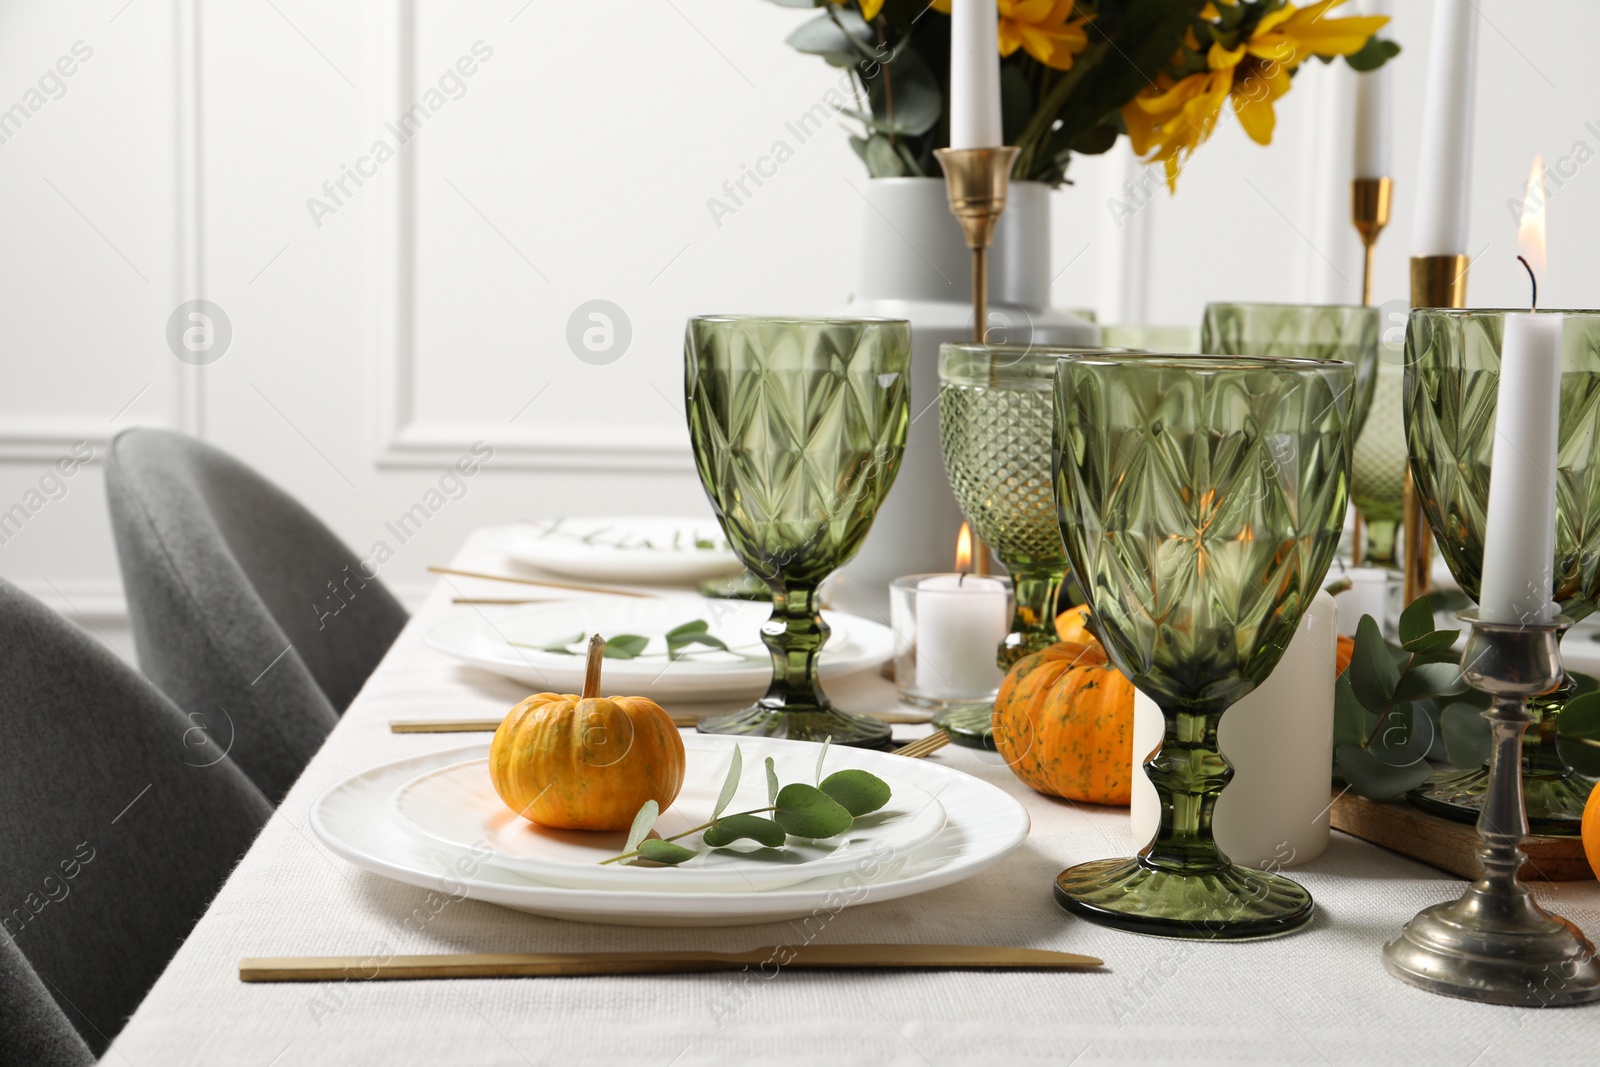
[
  {"x": 509, "y": 641},
  {"x": 983, "y": 825},
  {"x": 628, "y": 549},
  {"x": 457, "y": 806}
]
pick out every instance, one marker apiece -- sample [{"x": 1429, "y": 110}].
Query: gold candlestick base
[
  {"x": 1369, "y": 210},
  {"x": 977, "y": 180},
  {"x": 1436, "y": 282}
]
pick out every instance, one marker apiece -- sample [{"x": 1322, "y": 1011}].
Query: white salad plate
[
  {"x": 457, "y": 807},
  {"x": 625, "y": 549},
  {"x": 511, "y": 641},
  {"x": 983, "y": 824}
]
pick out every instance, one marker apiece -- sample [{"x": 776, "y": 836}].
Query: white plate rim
[
  {"x": 633, "y": 908},
  {"x": 604, "y": 562}
]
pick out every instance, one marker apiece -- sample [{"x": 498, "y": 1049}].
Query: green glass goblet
[
  {"x": 1201, "y": 500},
  {"x": 1347, "y": 332},
  {"x": 1378, "y": 470},
  {"x": 798, "y": 426},
  {"x": 1452, "y": 389},
  {"x": 995, "y": 418}
]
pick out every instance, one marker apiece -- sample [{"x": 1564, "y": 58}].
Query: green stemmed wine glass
[
  {"x": 798, "y": 426},
  {"x": 995, "y": 419},
  {"x": 1452, "y": 390},
  {"x": 1201, "y": 500}
]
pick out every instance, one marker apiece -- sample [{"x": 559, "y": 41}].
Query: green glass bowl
[
  {"x": 1201, "y": 501},
  {"x": 1452, "y": 388}
]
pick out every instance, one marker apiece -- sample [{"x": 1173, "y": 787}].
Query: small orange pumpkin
[
  {"x": 1589, "y": 828},
  {"x": 1344, "y": 649},
  {"x": 589, "y": 762},
  {"x": 1072, "y": 626},
  {"x": 1063, "y": 720}
]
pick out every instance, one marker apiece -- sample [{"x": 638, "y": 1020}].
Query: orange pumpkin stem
[{"x": 591, "y": 672}]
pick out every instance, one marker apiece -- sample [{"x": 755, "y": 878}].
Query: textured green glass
[
  {"x": 1378, "y": 468},
  {"x": 1201, "y": 502},
  {"x": 995, "y": 417},
  {"x": 798, "y": 426},
  {"x": 1302, "y": 331},
  {"x": 1452, "y": 389}
]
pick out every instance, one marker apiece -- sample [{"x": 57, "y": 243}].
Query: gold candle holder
[
  {"x": 977, "y": 180},
  {"x": 1436, "y": 282},
  {"x": 1369, "y": 210}
]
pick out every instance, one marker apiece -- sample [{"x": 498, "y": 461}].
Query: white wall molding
[{"x": 404, "y": 439}]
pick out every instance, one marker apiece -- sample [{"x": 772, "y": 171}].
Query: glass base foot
[
  {"x": 1230, "y": 904},
  {"x": 744, "y": 586},
  {"x": 968, "y": 724},
  {"x": 858, "y": 731},
  {"x": 1554, "y": 802}
]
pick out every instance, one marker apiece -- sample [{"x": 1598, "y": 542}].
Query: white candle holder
[{"x": 946, "y": 627}]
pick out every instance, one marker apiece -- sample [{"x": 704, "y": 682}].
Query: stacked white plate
[
  {"x": 434, "y": 821},
  {"x": 651, "y": 548},
  {"x": 514, "y": 641}
]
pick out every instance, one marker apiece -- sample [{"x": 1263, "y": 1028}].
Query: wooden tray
[{"x": 1450, "y": 846}]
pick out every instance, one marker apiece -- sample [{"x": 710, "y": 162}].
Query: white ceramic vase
[{"x": 915, "y": 265}]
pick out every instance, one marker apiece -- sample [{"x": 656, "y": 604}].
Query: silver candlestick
[{"x": 1495, "y": 944}]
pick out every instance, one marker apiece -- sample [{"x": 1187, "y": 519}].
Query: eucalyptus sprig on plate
[
  {"x": 825, "y": 809},
  {"x": 682, "y": 641}
]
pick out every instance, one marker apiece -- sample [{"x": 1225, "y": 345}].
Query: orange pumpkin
[
  {"x": 1343, "y": 650},
  {"x": 1072, "y": 626},
  {"x": 586, "y": 763},
  {"x": 1064, "y": 723},
  {"x": 1590, "y": 830}
]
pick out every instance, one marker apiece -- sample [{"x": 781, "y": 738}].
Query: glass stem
[
  {"x": 1189, "y": 773},
  {"x": 1380, "y": 547},
  {"x": 1033, "y": 623},
  {"x": 795, "y": 634}
]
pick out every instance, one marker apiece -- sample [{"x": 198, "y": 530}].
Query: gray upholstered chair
[
  {"x": 117, "y": 825},
  {"x": 247, "y": 611},
  {"x": 33, "y": 1028}
]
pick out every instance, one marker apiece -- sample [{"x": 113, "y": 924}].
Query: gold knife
[{"x": 568, "y": 964}]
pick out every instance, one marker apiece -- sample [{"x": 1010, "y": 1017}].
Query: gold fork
[{"x": 924, "y": 746}]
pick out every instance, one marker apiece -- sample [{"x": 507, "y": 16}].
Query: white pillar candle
[
  {"x": 1374, "y": 111},
  {"x": 1444, "y": 167},
  {"x": 1280, "y": 741},
  {"x": 974, "y": 75},
  {"x": 961, "y": 621},
  {"x": 1519, "y": 541}
]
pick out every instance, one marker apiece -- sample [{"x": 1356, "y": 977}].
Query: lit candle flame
[
  {"x": 1530, "y": 230},
  {"x": 964, "y": 550}
]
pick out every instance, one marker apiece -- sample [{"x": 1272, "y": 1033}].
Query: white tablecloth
[{"x": 1317, "y": 997}]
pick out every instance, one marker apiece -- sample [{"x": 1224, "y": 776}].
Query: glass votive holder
[{"x": 948, "y": 629}]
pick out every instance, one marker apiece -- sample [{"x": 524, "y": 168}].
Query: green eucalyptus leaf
[
  {"x": 1371, "y": 777},
  {"x": 643, "y": 823},
  {"x": 806, "y": 811},
  {"x": 882, "y": 159},
  {"x": 1372, "y": 671},
  {"x": 658, "y": 851},
  {"x": 730, "y": 784},
  {"x": 1372, "y": 55},
  {"x": 625, "y": 646},
  {"x": 1416, "y": 621},
  {"x": 822, "y": 36},
  {"x": 693, "y": 626},
  {"x": 745, "y": 827},
  {"x": 1578, "y": 734},
  {"x": 1583, "y": 683},
  {"x": 856, "y": 791},
  {"x": 1467, "y": 735},
  {"x": 1430, "y": 680},
  {"x": 1436, "y": 642},
  {"x": 677, "y": 644},
  {"x": 1349, "y": 717},
  {"x": 772, "y": 782}
]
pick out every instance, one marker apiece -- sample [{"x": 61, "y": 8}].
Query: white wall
[{"x": 430, "y": 309}]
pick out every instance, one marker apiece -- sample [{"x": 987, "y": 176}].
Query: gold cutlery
[
  {"x": 558, "y": 964},
  {"x": 542, "y": 584},
  {"x": 924, "y": 746},
  {"x": 489, "y": 726}
]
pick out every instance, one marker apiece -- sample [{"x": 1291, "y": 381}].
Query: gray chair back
[
  {"x": 246, "y": 610},
  {"x": 118, "y": 822},
  {"x": 33, "y": 1029}
]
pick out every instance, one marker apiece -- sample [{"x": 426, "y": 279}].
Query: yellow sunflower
[
  {"x": 1045, "y": 29},
  {"x": 869, "y": 8},
  {"x": 1173, "y": 117}
]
